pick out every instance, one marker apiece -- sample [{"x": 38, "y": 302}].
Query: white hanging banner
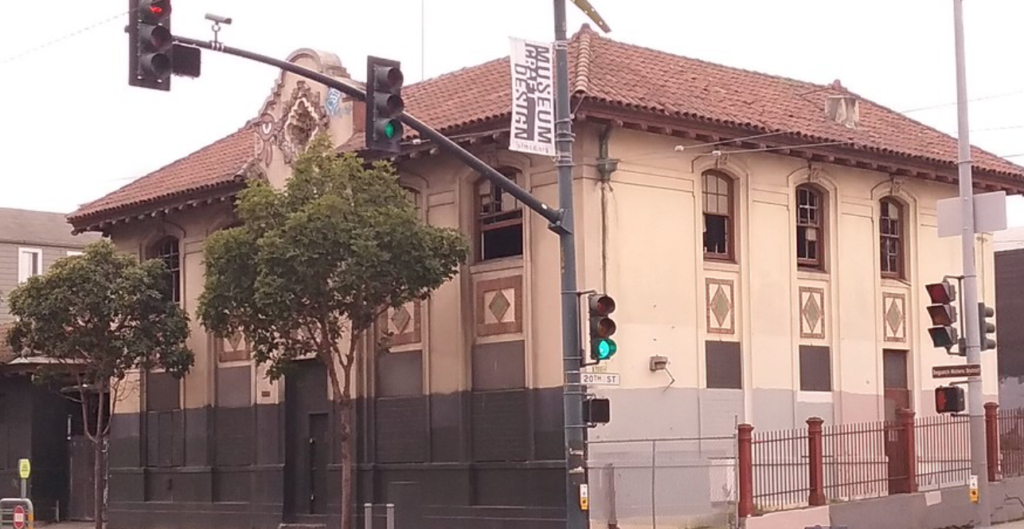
[{"x": 533, "y": 97}]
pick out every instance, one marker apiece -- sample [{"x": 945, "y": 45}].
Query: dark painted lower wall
[
  {"x": 484, "y": 459},
  {"x": 33, "y": 425}
]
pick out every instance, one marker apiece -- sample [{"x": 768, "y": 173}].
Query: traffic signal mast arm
[{"x": 554, "y": 216}]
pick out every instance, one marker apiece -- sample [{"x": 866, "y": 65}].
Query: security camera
[{"x": 218, "y": 19}]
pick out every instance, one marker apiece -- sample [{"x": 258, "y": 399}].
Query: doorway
[
  {"x": 896, "y": 382},
  {"x": 308, "y": 445}
]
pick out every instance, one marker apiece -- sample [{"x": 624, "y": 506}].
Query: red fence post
[
  {"x": 816, "y": 466},
  {"x": 992, "y": 439},
  {"x": 746, "y": 462},
  {"x": 906, "y": 420}
]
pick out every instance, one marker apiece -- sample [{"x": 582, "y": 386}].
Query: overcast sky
[{"x": 71, "y": 129}]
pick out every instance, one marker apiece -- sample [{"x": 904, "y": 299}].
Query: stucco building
[{"x": 770, "y": 237}]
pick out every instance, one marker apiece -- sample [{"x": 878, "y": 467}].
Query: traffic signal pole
[
  {"x": 561, "y": 222},
  {"x": 573, "y": 389},
  {"x": 975, "y": 399}
]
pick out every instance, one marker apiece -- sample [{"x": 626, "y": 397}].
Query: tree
[
  {"x": 325, "y": 256},
  {"x": 98, "y": 316}
]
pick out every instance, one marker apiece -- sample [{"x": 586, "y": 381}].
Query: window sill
[
  {"x": 814, "y": 396},
  {"x": 891, "y": 281},
  {"x": 813, "y": 274},
  {"x": 497, "y": 265},
  {"x": 723, "y": 265}
]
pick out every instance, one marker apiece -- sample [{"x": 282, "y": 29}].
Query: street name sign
[
  {"x": 601, "y": 379},
  {"x": 954, "y": 371}
]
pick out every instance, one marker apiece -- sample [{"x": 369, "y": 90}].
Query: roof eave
[
  {"x": 188, "y": 199},
  {"x": 714, "y": 131}
]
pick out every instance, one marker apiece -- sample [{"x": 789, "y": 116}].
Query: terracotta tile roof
[
  {"x": 613, "y": 75},
  {"x": 212, "y": 166},
  {"x": 639, "y": 78},
  {"x": 653, "y": 82}
]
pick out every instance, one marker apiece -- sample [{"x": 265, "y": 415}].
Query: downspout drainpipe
[{"x": 605, "y": 168}]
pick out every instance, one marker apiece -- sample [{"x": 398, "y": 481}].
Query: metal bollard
[{"x": 17, "y": 513}]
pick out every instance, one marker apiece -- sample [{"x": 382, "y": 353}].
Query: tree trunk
[
  {"x": 343, "y": 406},
  {"x": 345, "y": 410},
  {"x": 97, "y": 466}
]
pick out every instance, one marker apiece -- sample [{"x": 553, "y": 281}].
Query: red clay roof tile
[
  {"x": 606, "y": 72},
  {"x": 214, "y": 165}
]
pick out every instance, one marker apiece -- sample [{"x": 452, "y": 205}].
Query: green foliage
[
  {"x": 339, "y": 244},
  {"x": 100, "y": 315}
]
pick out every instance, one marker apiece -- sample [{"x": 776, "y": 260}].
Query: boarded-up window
[
  {"x": 815, "y": 368},
  {"x": 498, "y": 366},
  {"x": 164, "y": 427},
  {"x": 724, "y": 365}
]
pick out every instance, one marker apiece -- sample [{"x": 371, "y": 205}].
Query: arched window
[
  {"x": 499, "y": 221},
  {"x": 810, "y": 227},
  {"x": 414, "y": 198},
  {"x": 890, "y": 227},
  {"x": 168, "y": 251},
  {"x": 717, "y": 195}
]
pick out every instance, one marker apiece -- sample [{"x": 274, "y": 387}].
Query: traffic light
[
  {"x": 602, "y": 347},
  {"x": 150, "y": 44},
  {"x": 943, "y": 314},
  {"x": 949, "y": 399},
  {"x": 986, "y": 327},
  {"x": 384, "y": 104}
]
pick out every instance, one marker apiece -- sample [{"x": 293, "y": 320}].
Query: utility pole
[
  {"x": 573, "y": 390},
  {"x": 975, "y": 399}
]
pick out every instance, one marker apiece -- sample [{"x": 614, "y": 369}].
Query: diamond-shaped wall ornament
[
  {"x": 894, "y": 316},
  {"x": 720, "y": 317},
  {"x": 235, "y": 340},
  {"x": 812, "y": 312},
  {"x": 401, "y": 319},
  {"x": 720, "y": 305},
  {"x": 499, "y": 305}
]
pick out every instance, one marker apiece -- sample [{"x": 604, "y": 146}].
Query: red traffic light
[
  {"x": 941, "y": 293},
  {"x": 154, "y": 11}
]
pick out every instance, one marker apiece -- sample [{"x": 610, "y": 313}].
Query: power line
[
  {"x": 57, "y": 40},
  {"x": 982, "y": 98}
]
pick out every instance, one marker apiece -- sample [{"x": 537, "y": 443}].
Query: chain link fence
[{"x": 667, "y": 483}]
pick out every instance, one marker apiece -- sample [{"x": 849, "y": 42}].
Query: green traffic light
[
  {"x": 606, "y": 348},
  {"x": 389, "y": 129}
]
